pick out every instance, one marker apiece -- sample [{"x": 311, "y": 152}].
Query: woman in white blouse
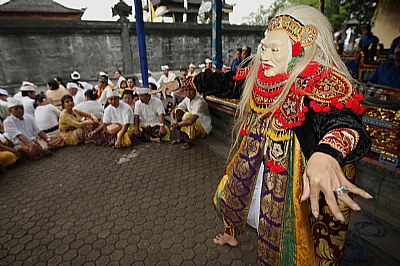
[
  {"x": 46, "y": 116},
  {"x": 90, "y": 105}
]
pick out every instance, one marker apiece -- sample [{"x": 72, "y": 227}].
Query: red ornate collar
[{"x": 324, "y": 87}]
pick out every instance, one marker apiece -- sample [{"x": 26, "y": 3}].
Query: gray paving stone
[{"x": 154, "y": 210}]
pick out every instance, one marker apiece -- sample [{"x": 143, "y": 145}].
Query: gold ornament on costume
[{"x": 306, "y": 35}]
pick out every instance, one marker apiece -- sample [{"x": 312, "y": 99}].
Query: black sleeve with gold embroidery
[
  {"x": 221, "y": 85},
  {"x": 318, "y": 124}
]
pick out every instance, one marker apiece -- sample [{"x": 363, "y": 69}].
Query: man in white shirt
[
  {"x": 25, "y": 135},
  {"x": 166, "y": 76},
  {"x": 28, "y": 92},
  {"x": 208, "y": 63},
  {"x": 149, "y": 118},
  {"x": 192, "y": 69},
  {"x": 76, "y": 92},
  {"x": 118, "y": 76},
  {"x": 76, "y": 77},
  {"x": 191, "y": 118},
  {"x": 117, "y": 118}
]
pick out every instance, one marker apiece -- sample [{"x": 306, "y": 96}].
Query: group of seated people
[
  {"x": 368, "y": 62},
  {"x": 107, "y": 115},
  {"x": 386, "y": 73}
]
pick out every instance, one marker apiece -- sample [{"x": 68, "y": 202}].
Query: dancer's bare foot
[
  {"x": 223, "y": 239},
  {"x": 156, "y": 140}
]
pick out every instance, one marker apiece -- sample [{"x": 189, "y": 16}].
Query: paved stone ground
[
  {"x": 86, "y": 205},
  {"x": 147, "y": 205}
]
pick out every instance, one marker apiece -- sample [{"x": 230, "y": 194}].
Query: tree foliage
[
  {"x": 338, "y": 11},
  {"x": 258, "y": 17}
]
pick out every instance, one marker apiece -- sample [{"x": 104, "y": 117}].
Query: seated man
[
  {"x": 76, "y": 92},
  {"x": 149, "y": 118},
  {"x": 116, "y": 120},
  {"x": 191, "y": 118},
  {"x": 25, "y": 135},
  {"x": 28, "y": 91},
  {"x": 388, "y": 72}
]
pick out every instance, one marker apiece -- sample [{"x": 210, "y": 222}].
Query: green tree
[
  {"x": 337, "y": 11},
  {"x": 260, "y": 17}
]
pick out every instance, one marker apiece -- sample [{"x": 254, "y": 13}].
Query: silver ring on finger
[{"x": 341, "y": 190}]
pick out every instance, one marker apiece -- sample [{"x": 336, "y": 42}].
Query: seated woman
[
  {"x": 46, "y": 118},
  {"x": 154, "y": 91},
  {"x": 91, "y": 105},
  {"x": 132, "y": 84},
  {"x": 114, "y": 130},
  {"x": 128, "y": 98},
  {"x": 55, "y": 92},
  {"x": 102, "y": 88},
  {"x": 73, "y": 129}
]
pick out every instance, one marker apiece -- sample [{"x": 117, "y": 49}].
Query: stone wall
[{"x": 36, "y": 50}]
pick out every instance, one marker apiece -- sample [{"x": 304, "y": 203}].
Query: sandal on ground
[
  {"x": 187, "y": 146},
  {"x": 177, "y": 141}
]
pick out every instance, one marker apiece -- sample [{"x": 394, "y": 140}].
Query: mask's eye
[
  {"x": 263, "y": 48},
  {"x": 274, "y": 49}
]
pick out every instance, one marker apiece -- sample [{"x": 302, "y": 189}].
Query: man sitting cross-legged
[
  {"x": 149, "y": 118},
  {"x": 191, "y": 118},
  {"x": 25, "y": 135},
  {"x": 113, "y": 131}
]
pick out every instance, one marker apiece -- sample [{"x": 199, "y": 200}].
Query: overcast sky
[{"x": 101, "y": 9}]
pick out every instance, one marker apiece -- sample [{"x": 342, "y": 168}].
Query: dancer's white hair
[{"x": 322, "y": 51}]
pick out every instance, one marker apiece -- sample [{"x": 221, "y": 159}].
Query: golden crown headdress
[{"x": 306, "y": 35}]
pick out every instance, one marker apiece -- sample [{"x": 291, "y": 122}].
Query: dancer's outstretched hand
[{"x": 323, "y": 173}]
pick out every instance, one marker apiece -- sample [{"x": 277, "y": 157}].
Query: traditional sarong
[
  {"x": 288, "y": 234},
  {"x": 147, "y": 132},
  {"x": 55, "y": 142},
  {"x": 193, "y": 131},
  {"x": 77, "y": 135},
  {"x": 42, "y": 145},
  {"x": 107, "y": 138}
]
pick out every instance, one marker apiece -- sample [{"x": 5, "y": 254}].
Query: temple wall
[{"x": 36, "y": 50}]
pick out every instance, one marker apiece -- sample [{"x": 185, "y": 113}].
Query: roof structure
[
  {"x": 190, "y": 2},
  {"x": 38, "y": 8}
]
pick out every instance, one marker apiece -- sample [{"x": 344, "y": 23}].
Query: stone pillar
[
  {"x": 123, "y": 11},
  {"x": 126, "y": 49}
]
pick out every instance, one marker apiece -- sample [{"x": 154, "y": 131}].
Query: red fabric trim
[{"x": 342, "y": 139}]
